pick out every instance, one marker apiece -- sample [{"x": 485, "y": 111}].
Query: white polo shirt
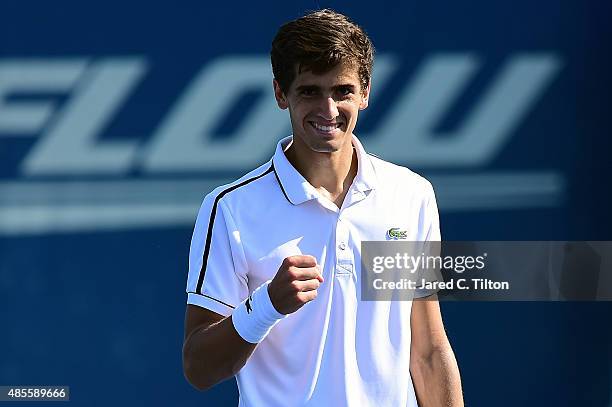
[{"x": 336, "y": 350}]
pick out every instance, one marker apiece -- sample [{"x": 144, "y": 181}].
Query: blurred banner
[
  {"x": 116, "y": 118},
  {"x": 113, "y": 131}
]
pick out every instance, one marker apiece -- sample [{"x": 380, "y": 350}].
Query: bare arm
[
  {"x": 432, "y": 362},
  {"x": 213, "y": 351}
]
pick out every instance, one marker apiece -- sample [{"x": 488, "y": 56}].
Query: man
[{"x": 274, "y": 281}]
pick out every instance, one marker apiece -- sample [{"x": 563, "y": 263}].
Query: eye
[
  {"x": 307, "y": 92},
  {"x": 345, "y": 90}
]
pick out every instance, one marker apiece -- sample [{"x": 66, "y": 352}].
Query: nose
[{"x": 329, "y": 110}]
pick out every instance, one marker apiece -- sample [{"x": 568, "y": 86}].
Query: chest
[{"x": 270, "y": 234}]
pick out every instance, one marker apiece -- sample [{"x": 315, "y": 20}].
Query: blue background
[{"x": 102, "y": 311}]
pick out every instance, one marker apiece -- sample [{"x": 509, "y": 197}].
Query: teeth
[{"x": 324, "y": 128}]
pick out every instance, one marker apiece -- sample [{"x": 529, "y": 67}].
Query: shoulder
[
  {"x": 248, "y": 186},
  {"x": 397, "y": 176}
]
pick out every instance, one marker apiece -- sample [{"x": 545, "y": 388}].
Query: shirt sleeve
[
  {"x": 430, "y": 232},
  {"x": 217, "y": 278},
  {"x": 431, "y": 219}
]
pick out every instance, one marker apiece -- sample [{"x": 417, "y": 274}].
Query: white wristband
[{"x": 256, "y": 315}]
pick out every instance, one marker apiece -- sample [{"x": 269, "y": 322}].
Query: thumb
[{"x": 320, "y": 275}]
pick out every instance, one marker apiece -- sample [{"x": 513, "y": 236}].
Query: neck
[{"x": 331, "y": 173}]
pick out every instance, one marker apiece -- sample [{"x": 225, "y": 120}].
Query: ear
[
  {"x": 281, "y": 100},
  {"x": 365, "y": 97}
]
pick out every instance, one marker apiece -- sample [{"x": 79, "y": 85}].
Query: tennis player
[{"x": 274, "y": 267}]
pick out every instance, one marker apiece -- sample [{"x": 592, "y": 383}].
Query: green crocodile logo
[{"x": 396, "y": 233}]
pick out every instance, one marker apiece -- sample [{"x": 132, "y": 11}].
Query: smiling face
[{"x": 323, "y": 108}]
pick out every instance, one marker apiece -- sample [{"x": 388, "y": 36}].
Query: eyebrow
[{"x": 316, "y": 87}]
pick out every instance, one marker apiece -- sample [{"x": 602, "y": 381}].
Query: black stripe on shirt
[
  {"x": 211, "y": 222},
  {"x": 281, "y": 184},
  {"x": 214, "y": 299}
]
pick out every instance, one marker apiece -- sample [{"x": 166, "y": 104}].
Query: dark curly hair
[{"x": 318, "y": 42}]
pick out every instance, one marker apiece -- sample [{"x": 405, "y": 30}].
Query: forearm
[
  {"x": 215, "y": 353},
  {"x": 436, "y": 378}
]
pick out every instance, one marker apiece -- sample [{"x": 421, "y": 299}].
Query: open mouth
[{"x": 325, "y": 128}]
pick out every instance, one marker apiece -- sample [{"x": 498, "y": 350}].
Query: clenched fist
[{"x": 295, "y": 283}]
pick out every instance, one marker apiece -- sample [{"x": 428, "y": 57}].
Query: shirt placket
[{"x": 344, "y": 254}]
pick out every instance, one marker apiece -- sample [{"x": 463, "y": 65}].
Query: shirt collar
[{"x": 298, "y": 190}]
